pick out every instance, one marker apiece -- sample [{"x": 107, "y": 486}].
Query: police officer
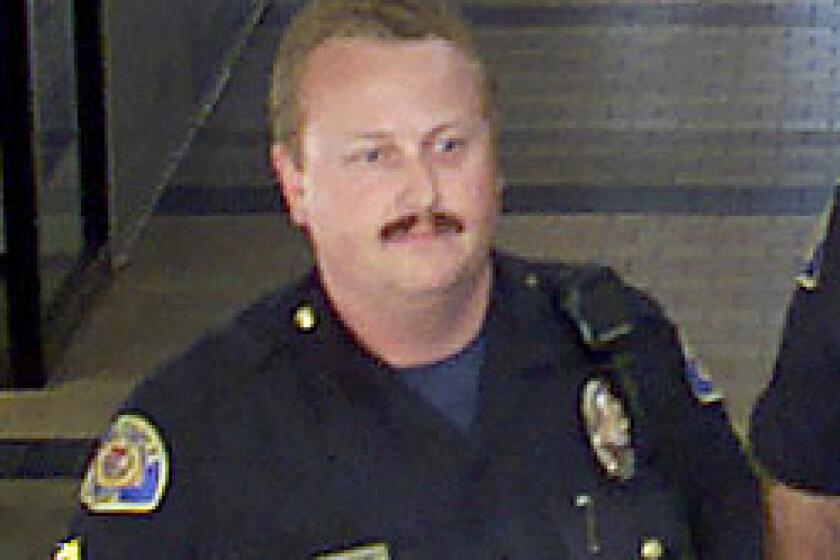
[
  {"x": 796, "y": 422},
  {"x": 418, "y": 395}
]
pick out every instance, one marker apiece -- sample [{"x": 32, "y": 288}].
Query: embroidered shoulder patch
[
  {"x": 699, "y": 379},
  {"x": 68, "y": 550},
  {"x": 130, "y": 471}
]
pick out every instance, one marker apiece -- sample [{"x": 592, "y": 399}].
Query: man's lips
[{"x": 421, "y": 226}]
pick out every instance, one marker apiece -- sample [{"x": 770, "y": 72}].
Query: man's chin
[
  {"x": 422, "y": 284},
  {"x": 432, "y": 273}
]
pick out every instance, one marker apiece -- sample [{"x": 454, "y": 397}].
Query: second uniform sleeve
[{"x": 795, "y": 428}]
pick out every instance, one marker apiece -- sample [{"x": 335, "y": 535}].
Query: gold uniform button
[
  {"x": 532, "y": 280},
  {"x": 305, "y": 318},
  {"x": 652, "y": 549}
]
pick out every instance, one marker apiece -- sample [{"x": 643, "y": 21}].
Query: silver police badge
[{"x": 608, "y": 428}]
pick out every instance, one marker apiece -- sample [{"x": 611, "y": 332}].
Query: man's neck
[{"x": 419, "y": 328}]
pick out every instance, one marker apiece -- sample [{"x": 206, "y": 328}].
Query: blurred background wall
[{"x": 165, "y": 60}]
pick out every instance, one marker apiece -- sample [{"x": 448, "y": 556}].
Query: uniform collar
[
  {"x": 521, "y": 304},
  {"x": 523, "y": 338}
]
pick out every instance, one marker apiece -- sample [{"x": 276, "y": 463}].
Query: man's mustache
[{"x": 441, "y": 222}]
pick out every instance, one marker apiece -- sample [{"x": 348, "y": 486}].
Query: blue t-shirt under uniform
[{"x": 451, "y": 385}]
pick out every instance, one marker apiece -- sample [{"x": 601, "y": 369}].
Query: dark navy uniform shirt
[
  {"x": 796, "y": 422},
  {"x": 290, "y": 441}
]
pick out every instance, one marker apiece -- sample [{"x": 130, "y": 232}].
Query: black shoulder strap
[{"x": 602, "y": 307}]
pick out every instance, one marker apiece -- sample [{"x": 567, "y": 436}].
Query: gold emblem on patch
[
  {"x": 608, "y": 428},
  {"x": 378, "y": 551},
  {"x": 119, "y": 463},
  {"x": 130, "y": 471}
]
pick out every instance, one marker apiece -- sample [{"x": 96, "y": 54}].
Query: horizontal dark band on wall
[
  {"x": 44, "y": 459},
  {"x": 190, "y": 200},
  {"x": 743, "y": 139},
  {"x": 702, "y": 201},
  {"x": 732, "y": 14}
]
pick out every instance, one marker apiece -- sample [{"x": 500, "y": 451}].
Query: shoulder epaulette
[{"x": 603, "y": 308}]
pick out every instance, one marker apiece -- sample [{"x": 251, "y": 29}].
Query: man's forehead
[
  {"x": 378, "y": 47},
  {"x": 424, "y": 133},
  {"x": 348, "y": 59},
  {"x": 429, "y": 78}
]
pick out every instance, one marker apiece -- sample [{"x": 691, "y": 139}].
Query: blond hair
[{"x": 320, "y": 20}]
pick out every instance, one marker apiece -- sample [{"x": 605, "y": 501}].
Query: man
[
  {"x": 418, "y": 395},
  {"x": 796, "y": 422}
]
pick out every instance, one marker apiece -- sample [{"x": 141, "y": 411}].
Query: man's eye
[
  {"x": 366, "y": 155},
  {"x": 448, "y": 145},
  {"x": 372, "y": 156}
]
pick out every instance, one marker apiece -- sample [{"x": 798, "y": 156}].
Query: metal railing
[{"x": 35, "y": 334}]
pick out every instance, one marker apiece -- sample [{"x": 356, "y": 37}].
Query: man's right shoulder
[
  {"x": 173, "y": 419},
  {"x": 223, "y": 361}
]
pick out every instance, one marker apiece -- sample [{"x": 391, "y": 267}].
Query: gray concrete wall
[
  {"x": 727, "y": 109},
  {"x": 164, "y": 57}
]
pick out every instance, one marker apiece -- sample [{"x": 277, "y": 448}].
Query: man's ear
[{"x": 289, "y": 177}]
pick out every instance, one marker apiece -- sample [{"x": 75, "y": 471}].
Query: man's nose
[{"x": 420, "y": 189}]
